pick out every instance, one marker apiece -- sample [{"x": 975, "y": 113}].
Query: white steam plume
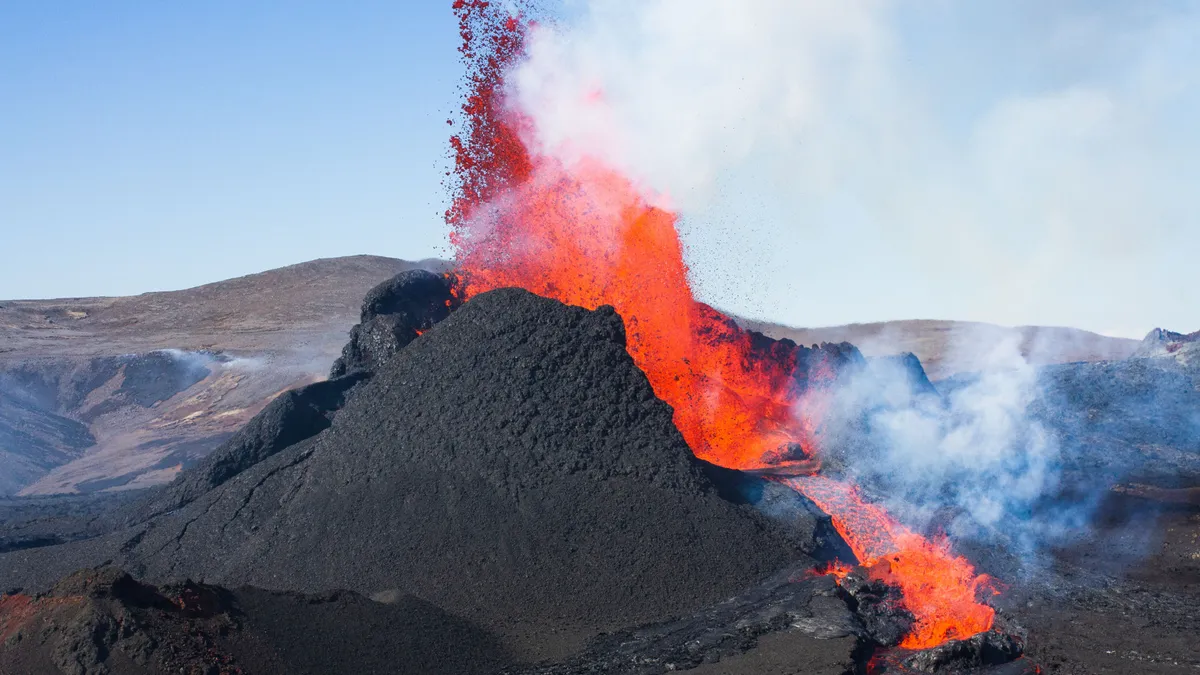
[
  {"x": 817, "y": 144},
  {"x": 974, "y": 453},
  {"x": 951, "y": 183},
  {"x": 674, "y": 91}
]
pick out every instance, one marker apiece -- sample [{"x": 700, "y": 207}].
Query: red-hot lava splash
[
  {"x": 940, "y": 589},
  {"x": 583, "y": 234}
]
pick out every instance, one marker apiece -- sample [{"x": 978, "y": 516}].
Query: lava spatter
[
  {"x": 584, "y": 234},
  {"x": 940, "y": 589}
]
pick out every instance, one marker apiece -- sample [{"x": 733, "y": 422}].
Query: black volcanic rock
[
  {"x": 512, "y": 465},
  {"x": 905, "y": 368},
  {"x": 292, "y": 417},
  {"x": 794, "y": 602},
  {"x": 394, "y": 313},
  {"x": 990, "y": 648},
  {"x": 1136, "y": 420},
  {"x": 879, "y": 606},
  {"x": 102, "y": 621}
]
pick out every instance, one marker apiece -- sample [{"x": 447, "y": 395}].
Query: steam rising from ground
[
  {"x": 1014, "y": 162},
  {"x": 970, "y": 460}
]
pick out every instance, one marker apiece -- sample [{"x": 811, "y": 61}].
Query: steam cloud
[
  {"x": 1032, "y": 178},
  {"x": 803, "y": 144},
  {"x": 970, "y": 459}
]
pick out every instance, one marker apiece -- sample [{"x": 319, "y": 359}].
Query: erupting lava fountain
[{"x": 583, "y": 233}]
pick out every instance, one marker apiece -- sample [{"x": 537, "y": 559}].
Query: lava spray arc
[{"x": 584, "y": 234}]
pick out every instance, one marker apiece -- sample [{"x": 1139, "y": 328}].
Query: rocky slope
[
  {"x": 121, "y": 393},
  {"x": 511, "y": 465},
  {"x": 1159, "y": 343},
  {"x": 34, "y": 440},
  {"x": 308, "y": 305}
]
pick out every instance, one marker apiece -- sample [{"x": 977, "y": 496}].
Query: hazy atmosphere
[{"x": 1017, "y": 163}]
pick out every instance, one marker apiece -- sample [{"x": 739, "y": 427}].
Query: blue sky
[
  {"x": 1019, "y": 162},
  {"x": 148, "y": 145}
]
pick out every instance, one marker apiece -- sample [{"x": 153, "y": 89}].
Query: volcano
[
  {"x": 507, "y": 463},
  {"x": 553, "y": 458},
  {"x": 512, "y": 465},
  {"x": 580, "y": 231}
]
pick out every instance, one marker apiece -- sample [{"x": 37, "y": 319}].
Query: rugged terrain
[
  {"x": 505, "y": 462},
  {"x": 568, "y": 508},
  {"x": 569, "y": 505},
  {"x": 104, "y": 621},
  {"x": 121, "y": 393}
]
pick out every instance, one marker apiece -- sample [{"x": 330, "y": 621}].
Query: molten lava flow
[
  {"x": 585, "y": 235},
  {"x": 940, "y": 589},
  {"x": 836, "y": 569}
]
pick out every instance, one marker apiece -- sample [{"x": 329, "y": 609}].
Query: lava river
[{"x": 583, "y": 234}]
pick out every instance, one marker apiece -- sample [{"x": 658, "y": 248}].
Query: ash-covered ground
[{"x": 495, "y": 488}]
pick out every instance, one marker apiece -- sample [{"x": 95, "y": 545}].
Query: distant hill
[
  {"x": 949, "y": 347},
  {"x": 117, "y": 393},
  {"x": 1159, "y": 343},
  {"x": 308, "y": 305}
]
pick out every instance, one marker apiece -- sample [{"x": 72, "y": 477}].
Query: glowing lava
[
  {"x": 584, "y": 234},
  {"x": 940, "y": 589}
]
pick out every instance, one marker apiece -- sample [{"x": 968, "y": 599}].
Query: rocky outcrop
[
  {"x": 1160, "y": 343},
  {"x": 394, "y": 313}
]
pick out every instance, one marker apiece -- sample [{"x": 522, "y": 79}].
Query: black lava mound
[
  {"x": 511, "y": 465},
  {"x": 100, "y": 622},
  {"x": 394, "y": 313}
]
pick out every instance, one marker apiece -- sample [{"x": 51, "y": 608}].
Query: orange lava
[
  {"x": 585, "y": 235},
  {"x": 836, "y": 569},
  {"x": 940, "y": 589}
]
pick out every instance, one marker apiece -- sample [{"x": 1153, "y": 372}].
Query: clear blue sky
[
  {"x": 1013, "y": 161},
  {"x": 158, "y": 145}
]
